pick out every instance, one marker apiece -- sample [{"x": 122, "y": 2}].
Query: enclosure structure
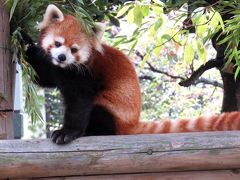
[
  {"x": 214, "y": 155},
  {"x": 7, "y": 76},
  {"x": 210, "y": 155}
]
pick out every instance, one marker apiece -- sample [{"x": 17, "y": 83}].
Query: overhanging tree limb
[
  {"x": 213, "y": 63},
  {"x": 193, "y": 80},
  {"x": 145, "y": 77},
  {"x": 163, "y": 72}
]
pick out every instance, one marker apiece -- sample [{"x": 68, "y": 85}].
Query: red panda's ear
[
  {"x": 99, "y": 31},
  {"x": 52, "y": 14}
]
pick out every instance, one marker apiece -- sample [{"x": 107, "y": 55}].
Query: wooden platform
[{"x": 213, "y": 155}]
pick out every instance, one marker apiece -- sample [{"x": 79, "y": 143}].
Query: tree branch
[
  {"x": 196, "y": 74},
  {"x": 193, "y": 82},
  {"x": 207, "y": 81},
  {"x": 145, "y": 77},
  {"x": 163, "y": 72}
]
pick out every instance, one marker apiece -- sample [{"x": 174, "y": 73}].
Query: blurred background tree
[{"x": 172, "y": 43}]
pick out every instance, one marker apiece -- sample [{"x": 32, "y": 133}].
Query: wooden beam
[
  {"x": 196, "y": 175},
  {"x": 120, "y": 155},
  {"x": 7, "y": 75}
]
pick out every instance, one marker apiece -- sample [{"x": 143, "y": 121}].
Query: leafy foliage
[{"x": 152, "y": 21}]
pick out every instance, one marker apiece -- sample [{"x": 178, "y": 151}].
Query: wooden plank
[
  {"x": 120, "y": 154},
  {"x": 191, "y": 175},
  {"x": 3, "y": 136},
  {"x": 7, "y": 73},
  {"x": 2, "y": 54}
]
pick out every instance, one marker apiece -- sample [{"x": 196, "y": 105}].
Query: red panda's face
[
  {"x": 65, "y": 40},
  {"x": 66, "y": 43}
]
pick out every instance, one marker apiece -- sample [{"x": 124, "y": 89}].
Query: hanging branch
[
  {"x": 213, "y": 63},
  {"x": 195, "y": 81},
  {"x": 153, "y": 69},
  {"x": 145, "y": 77}
]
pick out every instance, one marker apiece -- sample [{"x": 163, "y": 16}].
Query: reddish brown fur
[
  {"x": 219, "y": 122},
  {"x": 121, "y": 95},
  {"x": 183, "y": 125},
  {"x": 166, "y": 127},
  {"x": 199, "y": 124},
  {"x": 225, "y": 121},
  {"x": 69, "y": 29}
]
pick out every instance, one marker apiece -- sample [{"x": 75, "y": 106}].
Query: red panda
[{"x": 99, "y": 84}]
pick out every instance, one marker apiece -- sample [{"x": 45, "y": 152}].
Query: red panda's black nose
[{"x": 62, "y": 57}]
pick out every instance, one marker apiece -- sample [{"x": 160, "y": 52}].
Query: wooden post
[
  {"x": 7, "y": 75},
  {"x": 194, "y": 154}
]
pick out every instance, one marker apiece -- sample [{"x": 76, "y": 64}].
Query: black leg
[
  {"x": 76, "y": 120},
  {"x": 42, "y": 64},
  {"x": 101, "y": 122}
]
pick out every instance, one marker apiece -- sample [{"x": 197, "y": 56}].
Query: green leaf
[
  {"x": 219, "y": 17},
  {"x": 158, "y": 10},
  {"x": 196, "y": 16},
  {"x": 15, "y": 2},
  {"x": 133, "y": 46},
  {"x": 167, "y": 37},
  {"x": 188, "y": 54},
  {"x": 159, "y": 2},
  {"x": 201, "y": 52},
  {"x": 158, "y": 47},
  {"x": 130, "y": 16},
  {"x": 157, "y": 50},
  {"x": 226, "y": 39},
  {"x": 138, "y": 15},
  {"x": 152, "y": 32},
  {"x": 146, "y": 57},
  {"x": 158, "y": 24},
  {"x": 145, "y": 10},
  {"x": 114, "y": 20},
  {"x": 237, "y": 72},
  {"x": 214, "y": 21},
  {"x": 202, "y": 27},
  {"x": 124, "y": 10}
]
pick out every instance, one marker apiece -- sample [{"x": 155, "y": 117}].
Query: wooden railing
[
  {"x": 212, "y": 155},
  {"x": 7, "y": 76}
]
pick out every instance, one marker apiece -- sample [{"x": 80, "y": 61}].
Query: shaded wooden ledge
[{"x": 163, "y": 155}]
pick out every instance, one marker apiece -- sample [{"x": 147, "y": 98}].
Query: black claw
[
  {"x": 64, "y": 136},
  {"x": 68, "y": 138},
  {"x": 55, "y": 135},
  {"x": 59, "y": 139}
]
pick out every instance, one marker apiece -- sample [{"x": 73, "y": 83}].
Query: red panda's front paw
[{"x": 64, "y": 136}]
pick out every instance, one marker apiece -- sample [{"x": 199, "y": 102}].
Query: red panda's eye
[
  {"x": 74, "y": 50},
  {"x": 57, "y": 44}
]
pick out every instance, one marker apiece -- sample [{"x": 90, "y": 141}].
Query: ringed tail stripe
[{"x": 222, "y": 122}]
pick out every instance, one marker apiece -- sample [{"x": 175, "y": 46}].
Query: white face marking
[
  {"x": 83, "y": 52},
  {"x": 75, "y": 46},
  {"x": 47, "y": 41},
  {"x": 60, "y": 39},
  {"x": 55, "y": 52}
]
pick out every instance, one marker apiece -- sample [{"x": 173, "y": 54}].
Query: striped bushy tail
[{"x": 222, "y": 122}]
